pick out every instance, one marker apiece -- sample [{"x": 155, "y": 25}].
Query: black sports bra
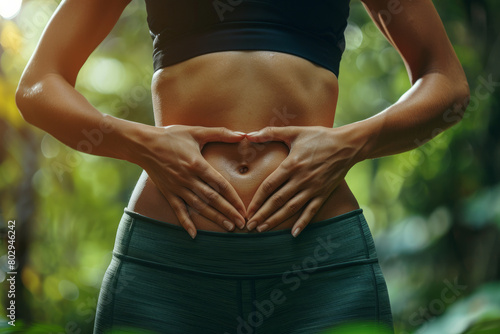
[{"x": 182, "y": 29}]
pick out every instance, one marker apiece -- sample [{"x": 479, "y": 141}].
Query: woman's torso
[{"x": 243, "y": 91}]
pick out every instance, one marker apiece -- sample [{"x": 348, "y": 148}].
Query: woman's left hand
[{"x": 318, "y": 161}]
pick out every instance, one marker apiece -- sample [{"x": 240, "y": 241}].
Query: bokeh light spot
[
  {"x": 353, "y": 36},
  {"x": 31, "y": 280},
  {"x": 50, "y": 146},
  {"x": 416, "y": 235},
  {"x": 106, "y": 75},
  {"x": 10, "y": 8}
]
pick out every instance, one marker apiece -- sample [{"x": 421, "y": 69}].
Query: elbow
[
  {"x": 462, "y": 93},
  {"x": 24, "y": 100},
  {"x": 20, "y": 102},
  {"x": 460, "y": 97}
]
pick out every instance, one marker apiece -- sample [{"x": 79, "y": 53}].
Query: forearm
[
  {"x": 53, "y": 105},
  {"x": 434, "y": 103}
]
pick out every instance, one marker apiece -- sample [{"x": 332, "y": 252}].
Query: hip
[
  {"x": 337, "y": 242},
  {"x": 269, "y": 282}
]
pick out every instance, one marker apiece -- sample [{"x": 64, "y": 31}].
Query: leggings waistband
[{"x": 340, "y": 241}]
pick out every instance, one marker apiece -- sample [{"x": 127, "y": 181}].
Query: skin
[{"x": 243, "y": 139}]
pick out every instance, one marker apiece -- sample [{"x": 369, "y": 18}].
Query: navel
[{"x": 243, "y": 169}]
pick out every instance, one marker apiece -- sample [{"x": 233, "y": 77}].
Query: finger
[
  {"x": 221, "y": 186},
  {"x": 196, "y": 216},
  {"x": 182, "y": 214},
  {"x": 294, "y": 205},
  {"x": 274, "y": 203},
  {"x": 284, "y": 134},
  {"x": 306, "y": 216},
  {"x": 207, "y": 211},
  {"x": 276, "y": 179},
  {"x": 204, "y": 135},
  {"x": 214, "y": 200}
]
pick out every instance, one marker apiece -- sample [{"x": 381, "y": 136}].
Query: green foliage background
[{"x": 434, "y": 212}]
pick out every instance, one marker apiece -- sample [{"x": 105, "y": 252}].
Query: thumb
[
  {"x": 284, "y": 134},
  {"x": 204, "y": 135}
]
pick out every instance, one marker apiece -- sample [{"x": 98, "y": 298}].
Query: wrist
[
  {"x": 359, "y": 137},
  {"x": 131, "y": 139}
]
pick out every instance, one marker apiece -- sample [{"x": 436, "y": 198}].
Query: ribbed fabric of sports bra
[{"x": 313, "y": 30}]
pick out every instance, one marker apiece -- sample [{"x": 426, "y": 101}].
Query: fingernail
[
  {"x": 192, "y": 233},
  {"x": 254, "y": 133},
  {"x": 240, "y": 133},
  {"x": 251, "y": 225},
  {"x": 229, "y": 226},
  {"x": 240, "y": 223},
  {"x": 262, "y": 228},
  {"x": 296, "y": 232}
]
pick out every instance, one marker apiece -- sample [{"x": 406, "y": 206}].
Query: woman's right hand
[{"x": 173, "y": 160}]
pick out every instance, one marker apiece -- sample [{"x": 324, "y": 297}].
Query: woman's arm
[
  {"x": 317, "y": 163},
  {"x": 46, "y": 95},
  {"x": 47, "y": 99},
  {"x": 439, "y": 93}
]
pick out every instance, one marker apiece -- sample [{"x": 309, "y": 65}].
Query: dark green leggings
[{"x": 162, "y": 281}]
